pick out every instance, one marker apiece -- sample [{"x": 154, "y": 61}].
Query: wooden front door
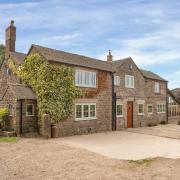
[{"x": 129, "y": 114}]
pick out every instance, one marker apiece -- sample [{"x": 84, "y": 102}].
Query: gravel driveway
[{"x": 38, "y": 159}]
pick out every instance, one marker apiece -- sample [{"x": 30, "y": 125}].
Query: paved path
[
  {"x": 127, "y": 145},
  {"x": 169, "y": 131}
]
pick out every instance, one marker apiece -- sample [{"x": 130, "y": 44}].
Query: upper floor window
[
  {"x": 157, "y": 87},
  {"x": 116, "y": 80},
  {"x": 130, "y": 66},
  {"x": 129, "y": 81},
  {"x": 85, "y": 78}
]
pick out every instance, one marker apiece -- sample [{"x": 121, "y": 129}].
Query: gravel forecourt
[{"x": 40, "y": 159}]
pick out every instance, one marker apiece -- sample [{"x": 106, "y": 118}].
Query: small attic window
[
  {"x": 130, "y": 66},
  {"x": 8, "y": 71}
]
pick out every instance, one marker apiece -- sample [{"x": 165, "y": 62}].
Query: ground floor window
[
  {"x": 149, "y": 108},
  {"x": 161, "y": 108},
  {"x": 140, "y": 109},
  {"x": 29, "y": 109},
  {"x": 85, "y": 111},
  {"x": 119, "y": 110}
]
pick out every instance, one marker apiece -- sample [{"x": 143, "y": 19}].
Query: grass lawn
[{"x": 8, "y": 139}]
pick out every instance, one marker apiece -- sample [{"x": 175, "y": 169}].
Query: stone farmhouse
[
  {"x": 120, "y": 95},
  {"x": 140, "y": 95}
]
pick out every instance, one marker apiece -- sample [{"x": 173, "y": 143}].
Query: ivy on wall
[
  {"x": 52, "y": 84},
  {"x": 2, "y": 52}
]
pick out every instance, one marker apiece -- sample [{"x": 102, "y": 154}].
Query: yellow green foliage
[
  {"x": 52, "y": 84},
  {"x": 2, "y": 52},
  {"x": 3, "y": 112}
]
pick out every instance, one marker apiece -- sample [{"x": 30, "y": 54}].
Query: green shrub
[{"x": 3, "y": 113}]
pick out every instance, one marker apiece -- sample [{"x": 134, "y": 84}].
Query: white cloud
[
  {"x": 155, "y": 48},
  {"x": 177, "y": 72}
]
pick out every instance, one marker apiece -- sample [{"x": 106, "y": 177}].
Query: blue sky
[{"x": 146, "y": 30}]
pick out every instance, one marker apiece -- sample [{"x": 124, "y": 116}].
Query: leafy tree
[
  {"x": 53, "y": 85},
  {"x": 2, "y": 51}
]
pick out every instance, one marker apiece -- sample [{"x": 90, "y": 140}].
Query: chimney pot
[
  {"x": 12, "y": 23},
  {"x": 109, "y": 57}
]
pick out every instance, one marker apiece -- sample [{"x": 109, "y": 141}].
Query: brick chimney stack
[
  {"x": 10, "y": 39},
  {"x": 109, "y": 57}
]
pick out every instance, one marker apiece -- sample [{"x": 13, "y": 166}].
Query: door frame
[{"x": 132, "y": 119}]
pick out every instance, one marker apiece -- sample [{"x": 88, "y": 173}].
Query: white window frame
[
  {"x": 117, "y": 80},
  {"x": 82, "y": 111},
  {"x": 152, "y": 108},
  {"x": 83, "y": 78},
  {"x": 129, "y": 81},
  {"x": 119, "y": 104},
  {"x": 163, "y": 108},
  {"x": 157, "y": 87},
  {"x": 32, "y": 109},
  {"x": 138, "y": 109}
]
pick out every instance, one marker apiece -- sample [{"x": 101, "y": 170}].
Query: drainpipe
[
  {"x": 113, "y": 105},
  {"x": 20, "y": 116},
  {"x": 167, "y": 103}
]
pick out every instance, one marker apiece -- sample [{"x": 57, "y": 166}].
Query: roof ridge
[
  {"x": 57, "y": 50},
  {"x": 122, "y": 59}
]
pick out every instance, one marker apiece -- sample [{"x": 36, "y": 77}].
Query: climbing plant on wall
[
  {"x": 1, "y": 53},
  {"x": 52, "y": 84}
]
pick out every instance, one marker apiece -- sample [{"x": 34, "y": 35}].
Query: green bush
[{"x": 3, "y": 113}]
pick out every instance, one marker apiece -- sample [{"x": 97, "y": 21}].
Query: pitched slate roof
[
  {"x": 72, "y": 59},
  {"x": 151, "y": 75},
  {"x": 146, "y": 74},
  {"x": 120, "y": 62},
  {"x": 173, "y": 94},
  {"x": 17, "y": 57},
  {"x": 176, "y": 92},
  {"x": 23, "y": 92}
]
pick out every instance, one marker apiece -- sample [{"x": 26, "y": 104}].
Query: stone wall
[
  {"x": 29, "y": 123},
  {"x": 143, "y": 92},
  {"x": 173, "y": 120},
  {"x": 102, "y": 96}
]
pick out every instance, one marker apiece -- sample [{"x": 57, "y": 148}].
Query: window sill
[
  {"x": 161, "y": 112},
  {"x": 129, "y": 87},
  {"x": 140, "y": 114},
  {"x": 120, "y": 116},
  {"x": 149, "y": 113},
  {"x": 81, "y": 86},
  {"x": 84, "y": 119},
  {"x": 29, "y": 115}
]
